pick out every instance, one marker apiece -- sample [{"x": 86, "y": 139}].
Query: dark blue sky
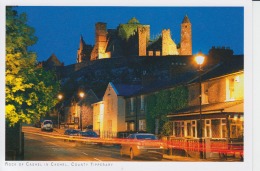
[{"x": 59, "y": 28}]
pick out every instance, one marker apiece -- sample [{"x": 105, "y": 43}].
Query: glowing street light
[
  {"x": 199, "y": 58},
  {"x": 81, "y": 95},
  {"x": 60, "y": 97}
]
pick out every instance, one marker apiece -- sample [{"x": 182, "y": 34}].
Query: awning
[{"x": 215, "y": 108}]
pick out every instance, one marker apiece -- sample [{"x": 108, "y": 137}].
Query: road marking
[
  {"x": 85, "y": 153},
  {"x": 97, "y": 159}
]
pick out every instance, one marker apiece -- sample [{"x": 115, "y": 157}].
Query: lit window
[
  {"x": 142, "y": 125},
  {"x": 230, "y": 89},
  {"x": 208, "y": 128}
]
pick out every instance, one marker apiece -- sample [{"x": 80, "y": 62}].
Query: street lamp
[
  {"x": 199, "y": 58},
  {"x": 81, "y": 95},
  {"x": 60, "y": 97}
]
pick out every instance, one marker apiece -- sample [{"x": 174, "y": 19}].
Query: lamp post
[
  {"x": 199, "y": 58},
  {"x": 81, "y": 95},
  {"x": 60, "y": 97}
]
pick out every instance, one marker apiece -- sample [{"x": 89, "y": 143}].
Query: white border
[
  {"x": 256, "y": 84},
  {"x": 183, "y": 166}
]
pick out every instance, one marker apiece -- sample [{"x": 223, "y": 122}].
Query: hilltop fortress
[
  {"x": 133, "y": 39},
  {"x": 127, "y": 55}
]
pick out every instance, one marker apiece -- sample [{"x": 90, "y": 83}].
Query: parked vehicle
[
  {"x": 47, "y": 125},
  {"x": 72, "y": 132},
  {"x": 142, "y": 145},
  {"x": 89, "y": 133}
]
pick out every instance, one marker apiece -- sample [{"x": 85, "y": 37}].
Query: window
[
  {"x": 130, "y": 126},
  {"x": 142, "y": 125},
  {"x": 215, "y": 126},
  {"x": 223, "y": 128},
  {"x": 236, "y": 127},
  {"x": 230, "y": 82},
  {"x": 156, "y": 126},
  {"x": 142, "y": 102},
  {"x": 179, "y": 129},
  {"x": 207, "y": 128},
  {"x": 132, "y": 104},
  {"x": 204, "y": 92},
  {"x": 193, "y": 129},
  {"x": 188, "y": 128}
]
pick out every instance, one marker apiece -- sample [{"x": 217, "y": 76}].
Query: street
[{"x": 52, "y": 148}]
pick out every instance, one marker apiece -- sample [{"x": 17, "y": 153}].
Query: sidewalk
[{"x": 190, "y": 159}]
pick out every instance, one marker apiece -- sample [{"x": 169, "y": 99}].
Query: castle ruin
[{"x": 133, "y": 39}]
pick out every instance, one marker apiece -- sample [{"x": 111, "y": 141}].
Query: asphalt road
[{"x": 48, "y": 148}]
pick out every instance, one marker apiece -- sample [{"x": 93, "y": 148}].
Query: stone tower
[
  {"x": 99, "y": 50},
  {"x": 186, "y": 37},
  {"x": 84, "y": 51},
  {"x": 143, "y": 38}
]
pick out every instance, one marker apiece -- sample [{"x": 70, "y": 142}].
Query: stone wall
[{"x": 168, "y": 45}]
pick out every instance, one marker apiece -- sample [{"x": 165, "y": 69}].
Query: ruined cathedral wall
[
  {"x": 143, "y": 38},
  {"x": 168, "y": 45},
  {"x": 99, "y": 50}
]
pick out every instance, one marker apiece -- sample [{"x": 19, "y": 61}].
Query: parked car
[
  {"x": 142, "y": 145},
  {"x": 72, "y": 132},
  {"x": 47, "y": 125},
  {"x": 89, "y": 133}
]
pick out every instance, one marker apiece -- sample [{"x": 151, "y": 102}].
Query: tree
[{"x": 30, "y": 90}]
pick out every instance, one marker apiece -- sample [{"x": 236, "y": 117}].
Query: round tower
[{"x": 186, "y": 37}]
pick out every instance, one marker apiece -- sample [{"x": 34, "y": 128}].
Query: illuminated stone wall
[
  {"x": 99, "y": 50},
  {"x": 168, "y": 45},
  {"x": 186, "y": 39},
  {"x": 143, "y": 38}
]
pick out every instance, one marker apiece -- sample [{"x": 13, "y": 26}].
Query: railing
[{"x": 221, "y": 146}]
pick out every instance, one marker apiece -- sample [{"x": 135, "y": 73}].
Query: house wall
[
  {"x": 121, "y": 114},
  {"x": 98, "y": 115},
  {"x": 114, "y": 113},
  {"x": 131, "y": 112},
  {"x": 217, "y": 90}
]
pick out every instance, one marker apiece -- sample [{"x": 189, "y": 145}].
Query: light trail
[{"x": 219, "y": 147}]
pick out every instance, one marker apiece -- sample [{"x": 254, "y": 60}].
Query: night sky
[{"x": 59, "y": 28}]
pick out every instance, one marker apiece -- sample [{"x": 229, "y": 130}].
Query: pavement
[{"x": 190, "y": 159}]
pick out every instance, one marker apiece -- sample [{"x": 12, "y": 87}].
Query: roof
[
  {"x": 229, "y": 66},
  {"x": 53, "y": 61},
  {"x": 181, "y": 79},
  {"x": 186, "y": 19},
  {"x": 222, "y": 107},
  {"x": 125, "y": 89}
]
